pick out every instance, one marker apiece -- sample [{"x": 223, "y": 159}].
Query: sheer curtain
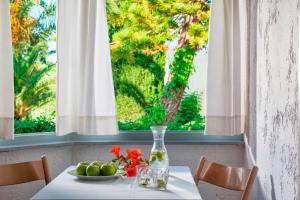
[
  {"x": 6, "y": 74},
  {"x": 85, "y": 92},
  {"x": 226, "y": 97}
]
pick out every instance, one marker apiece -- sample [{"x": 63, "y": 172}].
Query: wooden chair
[
  {"x": 232, "y": 178},
  {"x": 11, "y": 174}
]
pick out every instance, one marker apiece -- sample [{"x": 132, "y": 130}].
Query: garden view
[{"x": 140, "y": 33}]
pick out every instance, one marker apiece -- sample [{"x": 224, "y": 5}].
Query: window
[
  {"x": 150, "y": 71},
  {"x": 145, "y": 38},
  {"x": 33, "y": 36}
]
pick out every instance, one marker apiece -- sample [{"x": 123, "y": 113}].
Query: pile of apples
[{"x": 96, "y": 168}]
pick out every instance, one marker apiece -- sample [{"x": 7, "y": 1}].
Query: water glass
[{"x": 143, "y": 175}]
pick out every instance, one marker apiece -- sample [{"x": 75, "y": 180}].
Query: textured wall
[
  {"x": 62, "y": 157},
  {"x": 274, "y": 61}
]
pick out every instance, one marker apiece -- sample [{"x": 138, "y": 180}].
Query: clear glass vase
[{"x": 159, "y": 160}]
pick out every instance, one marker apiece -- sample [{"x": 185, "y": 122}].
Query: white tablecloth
[{"x": 180, "y": 186}]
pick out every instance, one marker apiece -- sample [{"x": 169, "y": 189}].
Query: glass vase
[{"x": 159, "y": 160}]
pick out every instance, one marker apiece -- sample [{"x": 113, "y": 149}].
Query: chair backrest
[
  {"x": 233, "y": 178},
  {"x": 11, "y": 174}
]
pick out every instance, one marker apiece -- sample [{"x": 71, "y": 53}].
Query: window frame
[{"x": 42, "y": 140}]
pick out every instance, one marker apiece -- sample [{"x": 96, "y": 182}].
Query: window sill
[{"x": 25, "y": 141}]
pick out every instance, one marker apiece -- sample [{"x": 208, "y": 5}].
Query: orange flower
[
  {"x": 116, "y": 151},
  {"x": 133, "y": 154},
  {"x": 130, "y": 171},
  {"x": 133, "y": 158},
  {"x": 135, "y": 162}
]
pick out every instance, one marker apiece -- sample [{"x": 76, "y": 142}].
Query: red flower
[
  {"x": 137, "y": 152},
  {"x": 129, "y": 153},
  {"x": 133, "y": 154},
  {"x": 130, "y": 171},
  {"x": 132, "y": 159},
  {"x": 116, "y": 151},
  {"x": 135, "y": 162}
]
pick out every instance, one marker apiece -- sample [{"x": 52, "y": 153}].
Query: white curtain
[
  {"x": 85, "y": 92},
  {"x": 6, "y": 74},
  {"x": 226, "y": 97}
]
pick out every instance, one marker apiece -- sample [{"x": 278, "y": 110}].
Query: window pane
[
  {"x": 33, "y": 35},
  {"x": 153, "y": 45}
]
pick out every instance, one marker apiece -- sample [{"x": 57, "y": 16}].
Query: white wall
[
  {"x": 61, "y": 157},
  {"x": 274, "y": 107},
  {"x": 197, "y": 81}
]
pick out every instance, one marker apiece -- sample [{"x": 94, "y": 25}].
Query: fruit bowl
[{"x": 93, "y": 178}]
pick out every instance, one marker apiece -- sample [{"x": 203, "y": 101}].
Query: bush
[
  {"x": 188, "y": 117},
  {"x": 197, "y": 123},
  {"x": 135, "y": 84},
  {"x": 189, "y": 109},
  {"x": 29, "y": 125}
]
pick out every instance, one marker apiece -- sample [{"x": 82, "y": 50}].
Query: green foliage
[
  {"x": 133, "y": 126},
  {"x": 48, "y": 110},
  {"x": 135, "y": 83},
  {"x": 189, "y": 109},
  {"x": 188, "y": 117},
  {"x": 29, "y": 125},
  {"x": 33, "y": 88},
  {"x": 45, "y": 26},
  {"x": 25, "y": 8},
  {"x": 195, "y": 125},
  {"x": 144, "y": 26},
  {"x": 35, "y": 27},
  {"x": 34, "y": 79},
  {"x": 128, "y": 109},
  {"x": 154, "y": 64},
  {"x": 181, "y": 69},
  {"x": 157, "y": 114},
  {"x": 139, "y": 31}
]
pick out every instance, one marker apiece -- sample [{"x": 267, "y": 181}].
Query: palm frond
[{"x": 33, "y": 87}]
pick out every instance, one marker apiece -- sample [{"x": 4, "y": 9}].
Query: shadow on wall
[
  {"x": 273, "y": 190},
  {"x": 258, "y": 192}
]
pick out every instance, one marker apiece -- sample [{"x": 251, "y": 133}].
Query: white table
[{"x": 180, "y": 186}]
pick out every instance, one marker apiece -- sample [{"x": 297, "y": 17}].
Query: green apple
[
  {"x": 93, "y": 170},
  {"x": 81, "y": 169},
  {"x": 85, "y": 162},
  {"x": 108, "y": 170},
  {"x": 98, "y": 163},
  {"x": 115, "y": 166}
]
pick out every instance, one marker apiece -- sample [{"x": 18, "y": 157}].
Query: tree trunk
[
  {"x": 172, "y": 104},
  {"x": 20, "y": 114}
]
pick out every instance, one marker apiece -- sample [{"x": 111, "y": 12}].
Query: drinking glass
[{"x": 143, "y": 175}]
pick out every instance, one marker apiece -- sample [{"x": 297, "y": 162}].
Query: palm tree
[
  {"x": 25, "y": 27},
  {"x": 33, "y": 85}
]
